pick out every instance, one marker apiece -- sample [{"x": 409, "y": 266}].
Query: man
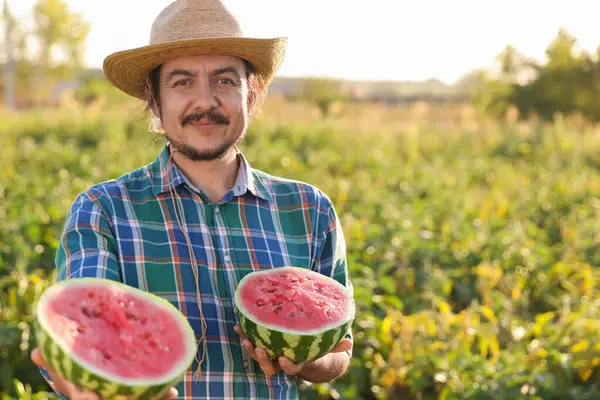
[{"x": 191, "y": 224}]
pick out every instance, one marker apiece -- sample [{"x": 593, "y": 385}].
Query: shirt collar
[{"x": 247, "y": 179}]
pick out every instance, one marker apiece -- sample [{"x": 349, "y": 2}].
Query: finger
[
  {"x": 171, "y": 394},
  {"x": 344, "y": 345},
  {"x": 246, "y": 344},
  {"x": 239, "y": 331},
  {"x": 38, "y": 358},
  {"x": 64, "y": 386},
  {"x": 80, "y": 394},
  {"x": 266, "y": 364},
  {"x": 250, "y": 349},
  {"x": 289, "y": 367}
]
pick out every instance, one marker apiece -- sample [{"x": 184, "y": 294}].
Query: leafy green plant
[{"x": 474, "y": 253}]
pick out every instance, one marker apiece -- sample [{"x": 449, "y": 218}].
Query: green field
[{"x": 474, "y": 248}]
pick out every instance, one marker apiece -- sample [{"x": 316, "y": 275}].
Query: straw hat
[{"x": 188, "y": 27}]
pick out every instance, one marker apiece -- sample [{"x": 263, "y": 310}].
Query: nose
[{"x": 204, "y": 98}]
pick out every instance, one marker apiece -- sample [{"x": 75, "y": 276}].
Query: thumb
[
  {"x": 61, "y": 384},
  {"x": 39, "y": 360},
  {"x": 171, "y": 394},
  {"x": 344, "y": 345}
]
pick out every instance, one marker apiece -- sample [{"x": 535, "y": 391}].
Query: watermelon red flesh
[
  {"x": 294, "y": 300},
  {"x": 294, "y": 312},
  {"x": 134, "y": 338}
]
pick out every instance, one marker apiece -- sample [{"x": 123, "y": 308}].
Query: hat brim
[{"x": 128, "y": 69}]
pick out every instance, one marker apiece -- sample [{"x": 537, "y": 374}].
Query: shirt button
[
  {"x": 246, "y": 364},
  {"x": 227, "y": 258},
  {"x": 217, "y": 209}
]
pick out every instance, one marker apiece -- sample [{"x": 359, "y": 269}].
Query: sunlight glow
[{"x": 378, "y": 39}]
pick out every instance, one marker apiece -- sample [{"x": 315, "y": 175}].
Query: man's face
[{"x": 204, "y": 104}]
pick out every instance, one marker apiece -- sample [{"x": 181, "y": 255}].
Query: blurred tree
[
  {"x": 468, "y": 82},
  {"x": 496, "y": 90},
  {"x": 492, "y": 96},
  {"x": 16, "y": 65},
  {"x": 557, "y": 83},
  {"x": 61, "y": 37},
  {"x": 95, "y": 88},
  {"x": 567, "y": 83},
  {"x": 323, "y": 93},
  {"x": 9, "y": 64}
]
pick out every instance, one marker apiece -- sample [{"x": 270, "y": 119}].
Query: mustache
[{"x": 210, "y": 115}]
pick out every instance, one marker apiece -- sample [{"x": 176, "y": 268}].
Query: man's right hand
[{"x": 69, "y": 389}]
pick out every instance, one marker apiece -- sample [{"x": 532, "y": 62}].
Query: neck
[{"x": 213, "y": 178}]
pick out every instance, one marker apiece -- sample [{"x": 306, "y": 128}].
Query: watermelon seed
[
  {"x": 107, "y": 356},
  {"x": 130, "y": 316},
  {"x": 96, "y": 313},
  {"x": 271, "y": 290},
  {"x": 86, "y": 312},
  {"x": 260, "y": 302},
  {"x": 144, "y": 321},
  {"x": 292, "y": 315}
]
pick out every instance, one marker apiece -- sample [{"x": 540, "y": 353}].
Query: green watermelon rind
[
  {"x": 85, "y": 375},
  {"x": 293, "y": 344}
]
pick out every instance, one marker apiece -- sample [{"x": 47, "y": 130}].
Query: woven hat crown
[{"x": 180, "y": 21}]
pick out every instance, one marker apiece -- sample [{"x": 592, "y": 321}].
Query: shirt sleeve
[
  {"x": 331, "y": 259},
  {"x": 87, "y": 248}
]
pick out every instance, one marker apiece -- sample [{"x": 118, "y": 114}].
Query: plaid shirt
[{"x": 126, "y": 230}]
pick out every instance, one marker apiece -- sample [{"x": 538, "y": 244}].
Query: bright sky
[{"x": 373, "y": 39}]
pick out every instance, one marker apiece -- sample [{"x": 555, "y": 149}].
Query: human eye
[
  {"x": 182, "y": 82},
  {"x": 225, "y": 81}
]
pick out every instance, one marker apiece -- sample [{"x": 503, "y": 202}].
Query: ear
[
  {"x": 150, "y": 103},
  {"x": 255, "y": 95}
]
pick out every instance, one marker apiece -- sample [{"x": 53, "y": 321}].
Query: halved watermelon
[
  {"x": 112, "y": 338},
  {"x": 294, "y": 312}
]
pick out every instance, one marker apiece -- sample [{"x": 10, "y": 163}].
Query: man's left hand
[{"x": 272, "y": 367}]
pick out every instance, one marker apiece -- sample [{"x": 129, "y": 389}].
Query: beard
[{"x": 205, "y": 155}]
